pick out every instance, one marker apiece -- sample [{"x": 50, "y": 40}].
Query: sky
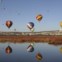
[{"x": 20, "y": 12}]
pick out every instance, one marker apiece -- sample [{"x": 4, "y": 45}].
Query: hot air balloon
[
  {"x": 61, "y": 26},
  {"x": 30, "y": 48},
  {"x": 9, "y": 23},
  {"x": 39, "y": 17},
  {"x": 39, "y": 56},
  {"x": 8, "y": 50},
  {"x": 30, "y": 25}
]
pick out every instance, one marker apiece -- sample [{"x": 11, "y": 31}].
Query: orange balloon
[
  {"x": 39, "y": 17},
  {"x": 9, "y": 23}
]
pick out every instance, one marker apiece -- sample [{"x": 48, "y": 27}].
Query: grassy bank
[{"x": 51, "y": 39}]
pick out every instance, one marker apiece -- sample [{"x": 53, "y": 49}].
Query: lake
[{"x": 50, "y": 53}]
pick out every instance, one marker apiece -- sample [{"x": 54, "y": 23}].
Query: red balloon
[
  {"x": 8, "y": 50},
  {"x": 9, "y": 23}
]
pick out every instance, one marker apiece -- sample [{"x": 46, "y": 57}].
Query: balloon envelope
[
  {"x": 9, "y": 23},
  {"x": 39, "y": 17},
  {"x": 30, "y": 25},
  {"x": 60, "y": 24},
  {"x": 30, "y": 48},
  {"x": 8, "y": 50}
]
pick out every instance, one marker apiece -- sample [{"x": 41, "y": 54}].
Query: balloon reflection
[
  {"x": 39, "y": 56},
  {"x": 8, "y": 50},
  {"x": 30, "y": 48},
  {"x": 61, "y": 49}
]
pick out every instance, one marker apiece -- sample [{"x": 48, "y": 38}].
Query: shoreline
[{"x": 50, "y": 39}]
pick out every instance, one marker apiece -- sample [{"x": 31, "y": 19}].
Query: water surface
[{"x": 50, "y": 53}]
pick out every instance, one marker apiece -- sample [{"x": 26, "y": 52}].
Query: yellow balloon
[
  {"x": 39, "y": 17},
  {"x": 61, "y": 49},
  {"x": 61, "y": 24},
  {"x": 39, "y": 56}
]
